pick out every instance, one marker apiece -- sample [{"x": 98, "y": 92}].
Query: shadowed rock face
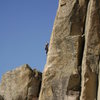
[
  {"x": 1, "y": 98},
  {"x": 90, "y": 62},
  {"x": 71, "y": 70},
  {"x": 23, "y": 83}
]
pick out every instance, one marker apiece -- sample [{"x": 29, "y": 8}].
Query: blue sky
[{"x": 25, "y": 26}]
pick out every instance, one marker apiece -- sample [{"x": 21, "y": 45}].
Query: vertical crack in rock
[
  {"x": 83, "y": 14},
  {"x": 91, "y": 52}
]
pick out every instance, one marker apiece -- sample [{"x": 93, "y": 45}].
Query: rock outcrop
[
  {"x": 23, "y": 83},
  {"x": 71, "y": 71}
]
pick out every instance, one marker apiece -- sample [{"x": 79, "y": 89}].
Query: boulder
[{"x": 23, "y": 83}]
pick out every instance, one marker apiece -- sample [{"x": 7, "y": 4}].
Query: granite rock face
[
  {"x": 90, "y": 63},
  {"x": 71, "y": 71},
  {"x": 23, "y": 83}
]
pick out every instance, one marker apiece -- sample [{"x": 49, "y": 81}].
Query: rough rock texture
[
  {"x": 61, "y": 78},
  {"x": 74, "y": 49},
  {"x": 90, "y": 63},
  {"x": 23, "y": 83},
  {"x": 72, "y": 70}
]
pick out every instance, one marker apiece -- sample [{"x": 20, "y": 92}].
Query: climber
[{"x": 46, "y": 47}]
